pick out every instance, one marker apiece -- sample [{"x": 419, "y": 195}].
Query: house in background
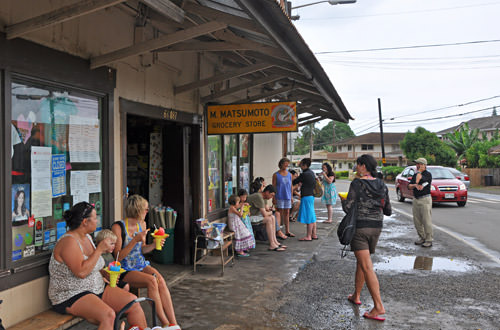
[
  {"x": 317, "y": 156},
  {"x": 349, "y": 149},
  {"x": 486, "y": 125}
]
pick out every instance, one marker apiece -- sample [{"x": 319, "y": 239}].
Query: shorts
[
  {"x": 256, "y": 218},
  {"x": 61, "y": 308},
  {"x": 365, "y": 239},
  {"x": 283, "y": 204}
]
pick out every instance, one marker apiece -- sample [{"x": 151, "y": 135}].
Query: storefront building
[{"x": 100, "y": 99}]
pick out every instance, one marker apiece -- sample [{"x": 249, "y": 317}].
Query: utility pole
[
  {"x": 381, "y": 131},
  {"x": 311, "y": 126}
]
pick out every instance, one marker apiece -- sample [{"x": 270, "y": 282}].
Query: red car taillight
[{"x": 466, "y": 178}]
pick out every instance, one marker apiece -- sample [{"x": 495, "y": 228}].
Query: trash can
[
  {"x": 488, "y": 180},
  {"x": 166, "y": 255}
]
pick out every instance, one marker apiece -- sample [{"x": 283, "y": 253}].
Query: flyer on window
[{"x": 41, "y": 181}]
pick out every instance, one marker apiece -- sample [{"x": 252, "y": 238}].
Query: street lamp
[{"x": 331, "y": 2}]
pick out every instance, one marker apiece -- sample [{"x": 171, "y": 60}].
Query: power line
[
  {"x": 442, "y": 117},
  {"x": 447, "y": 107},
  {"x": 403, "y": 12},
  {"x": 409, "y": 47}
]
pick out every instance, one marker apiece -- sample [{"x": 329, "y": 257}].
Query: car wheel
[
  {"x": 400, "y": 195},
  {"x": 461, "y": 204}
]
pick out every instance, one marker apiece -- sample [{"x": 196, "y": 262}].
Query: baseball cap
[{"x": 421, "y": 160}]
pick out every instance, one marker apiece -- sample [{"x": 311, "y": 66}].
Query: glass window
[
  {"x": 349, "y": 147},
  {"x": 367, "y": 147},
  {"x": 214, "y": 172},
  {"x": 244, "y": 162},
  {"x": 230, "y": 166},
  {"x": 56, "y": 163}
]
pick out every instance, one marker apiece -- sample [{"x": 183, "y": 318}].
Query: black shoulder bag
[{"x": 347, "y": 226}]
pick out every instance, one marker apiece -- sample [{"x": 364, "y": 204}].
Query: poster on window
[
  {"x": 20, "y": 203},
  {"x": 58, "y": 175},
  {"x": 41, "y": 181},
  {"x": 83, "y": 140}
]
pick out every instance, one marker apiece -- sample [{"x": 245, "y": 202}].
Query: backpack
[{"x": 318, "y": 189}]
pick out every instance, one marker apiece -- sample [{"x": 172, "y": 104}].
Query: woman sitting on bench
[
  {"x": 76, "y": 285},
  {"x": 139, "y": 273}
]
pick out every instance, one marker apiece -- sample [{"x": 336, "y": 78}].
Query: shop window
[
  {"x": 230, "y": 166},
  {"x": 56, "y": 163},
  {"x": 214, "y": 172},
  {"x": 244, "y": 162}
]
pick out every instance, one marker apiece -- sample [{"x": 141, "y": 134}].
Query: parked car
[
  {"x": 316, "y": 167},
  {"x": 444, "y": 188},
  {"x": 460, "y": 176}
]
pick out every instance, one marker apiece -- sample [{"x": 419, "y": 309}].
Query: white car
[{"x": 316, "y": 167}]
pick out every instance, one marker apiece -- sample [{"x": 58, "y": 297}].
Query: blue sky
[{"x": 417, "y": 85}]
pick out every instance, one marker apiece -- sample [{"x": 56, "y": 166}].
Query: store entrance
[{"x": 158, "y": 168}]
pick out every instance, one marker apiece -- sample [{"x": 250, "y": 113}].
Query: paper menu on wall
[
  {"x": 85, "y": 182},
  {"x": 83, "y": 140},
  {"x": 41, "y": 184}
]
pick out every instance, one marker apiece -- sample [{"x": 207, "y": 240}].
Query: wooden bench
[{"x": 48, "y": 320}]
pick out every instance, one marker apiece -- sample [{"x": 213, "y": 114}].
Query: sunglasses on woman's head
[{"x": 87, "y": 210}]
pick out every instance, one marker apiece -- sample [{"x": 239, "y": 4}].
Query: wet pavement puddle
[{"x": 439, "y": 264}]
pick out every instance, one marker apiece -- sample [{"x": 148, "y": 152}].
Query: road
[{"x": 477, "y": 223}]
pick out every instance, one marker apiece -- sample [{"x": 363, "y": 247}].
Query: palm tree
[{"x": 462, "y": 139}]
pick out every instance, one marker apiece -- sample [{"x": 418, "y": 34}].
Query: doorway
[{"x": 158, "y": 166}]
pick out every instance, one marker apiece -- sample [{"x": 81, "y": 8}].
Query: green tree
[
  {"x": 477, "y": 154},
  {"x": 462, "y": 139},
  {"x": 494, "y": 113},
  {"x": 302, "y": 142},
  {"x": 322, "y": 138},
  {"x": 423, "y": 143}
]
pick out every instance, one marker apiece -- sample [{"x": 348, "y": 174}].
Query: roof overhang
[{"x": 264, "y": 58}]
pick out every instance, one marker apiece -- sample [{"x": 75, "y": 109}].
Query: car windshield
[
  {"x": 440, "y": 173},
  {"x": 316, "y": 166}
]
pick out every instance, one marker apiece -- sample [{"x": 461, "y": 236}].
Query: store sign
[{"x": 252, "y": 118}]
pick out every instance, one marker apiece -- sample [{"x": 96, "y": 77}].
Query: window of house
[
  {"x": 339, "y": 148},
  {"x": 349, "y": 165},
  {"x": 349, "y": 147},
  {"x": 395, "y": 147},
  {"x": 340, "y": 165},
  {"x": 56, "y": 154},
  {"x": 367, "y": 147}
]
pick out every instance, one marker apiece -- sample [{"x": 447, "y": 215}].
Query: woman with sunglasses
[
  {"x": 76, "y": 285},
  {"x": 131, "y": 252}
]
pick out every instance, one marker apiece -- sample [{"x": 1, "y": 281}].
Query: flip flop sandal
[
  {"x": 349, "y": 297},
  {"x": 315, "y": 237},
  {"x": 376, "y": 318},
  {"x": 290, "y": 235},
  {"x": 277, "y": 249},
  {"x": 305, "y": 240}
]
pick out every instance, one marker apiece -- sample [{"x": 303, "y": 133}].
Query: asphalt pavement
[{"x": 448, "y": 286}]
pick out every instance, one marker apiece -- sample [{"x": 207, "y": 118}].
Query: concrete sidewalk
[
  {"x": 306, "y": 286},
  {"x": 247, "y": 296}
]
